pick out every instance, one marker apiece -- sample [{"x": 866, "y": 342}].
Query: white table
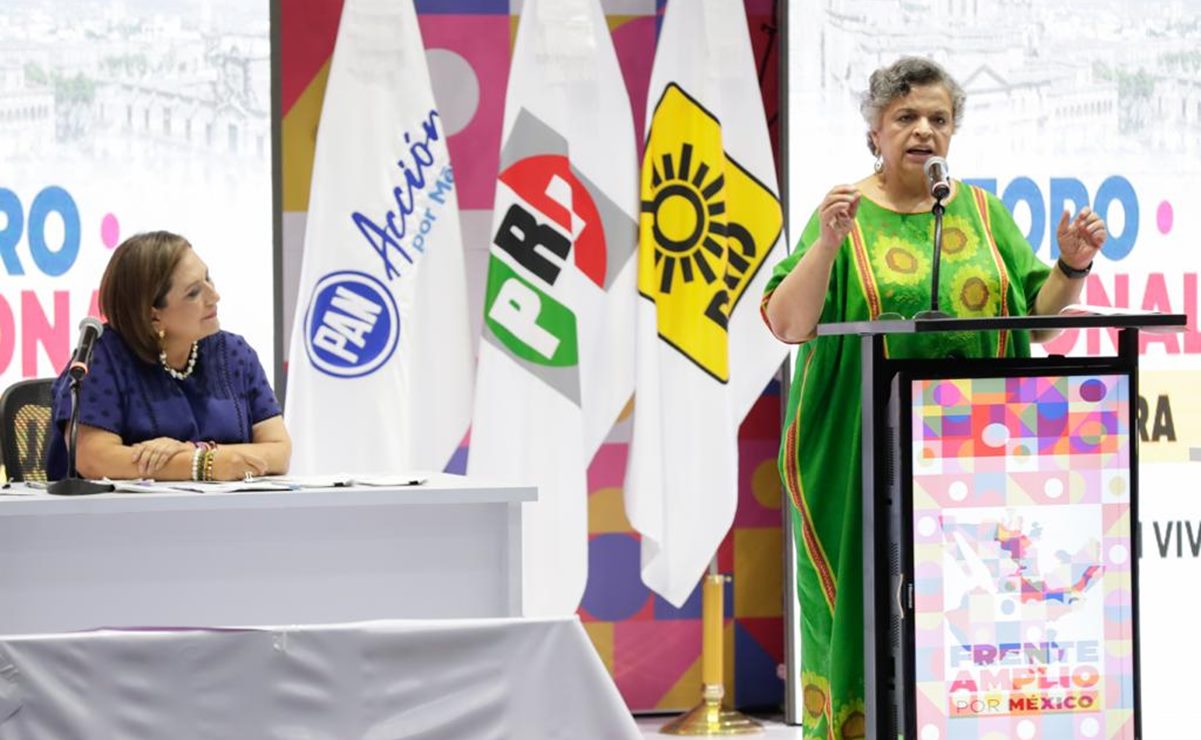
[
  {"x": 450, "y": 548},
  {"x": 479, "y": 679}
]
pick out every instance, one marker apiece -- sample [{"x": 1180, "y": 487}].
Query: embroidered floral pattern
[
  {"x": 817, "y": 717},
  {"x": 974, "y": 292},
  {"x": 851, "y": 722},
  {"x": 815, "y": 694},
  {"x": 898, "y": 261},
  {"x": 960, "y": 240}
]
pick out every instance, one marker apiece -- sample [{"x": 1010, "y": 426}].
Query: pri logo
[
  {"x": 560, "y": 238},
  {"x": 352, "y": 325},
  {"x": 707, "y": 225}
]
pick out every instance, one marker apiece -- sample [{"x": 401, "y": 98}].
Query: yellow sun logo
[
  {"x": 707, "y": 226},
  {"x": 688, "y": 219}
]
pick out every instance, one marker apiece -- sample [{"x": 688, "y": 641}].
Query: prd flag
[
  {"x": 380, "y": 366},
  {"x": 556, "y": 359},
  {"x": 711, "y": 229}
]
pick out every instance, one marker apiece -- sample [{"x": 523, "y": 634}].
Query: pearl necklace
[{"x": 178, "y": 375}]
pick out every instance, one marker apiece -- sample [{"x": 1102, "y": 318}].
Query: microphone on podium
[{"x": 938, "y": 178}]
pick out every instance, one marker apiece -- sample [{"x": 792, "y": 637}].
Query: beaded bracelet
[{"x": 197, "y": 456}]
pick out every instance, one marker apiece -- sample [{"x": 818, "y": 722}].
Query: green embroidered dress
[{"x": 988, "y": 269}]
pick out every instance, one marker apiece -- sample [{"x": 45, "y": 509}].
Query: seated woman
[{"x": 168, "y": 394}]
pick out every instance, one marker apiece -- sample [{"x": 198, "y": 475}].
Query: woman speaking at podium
[
  {"x": 167, "y": 394},
  {"x": 866, "y": 252}
]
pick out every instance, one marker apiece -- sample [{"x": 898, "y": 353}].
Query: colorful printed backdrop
[{"x": 652, "y": 649}]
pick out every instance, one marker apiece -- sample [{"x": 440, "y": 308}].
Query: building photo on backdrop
[{"x": 240, "y": 126}]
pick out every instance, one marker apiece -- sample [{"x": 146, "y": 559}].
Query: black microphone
[
  {"x": 938, "y": 176},
  {"x": 90, "y": 330},
  {"x": 940, "y": 187}
]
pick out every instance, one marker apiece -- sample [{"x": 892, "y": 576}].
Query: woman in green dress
[{"x": 865, "y": 252}]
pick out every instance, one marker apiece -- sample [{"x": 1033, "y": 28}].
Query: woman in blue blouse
[{"x": 168, "y": 394}]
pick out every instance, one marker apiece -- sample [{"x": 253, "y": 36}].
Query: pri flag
[
  {"x": 710, "y": 233},
  {"x": 380, "y": 366},
  {"x": 556, "y": 361}
]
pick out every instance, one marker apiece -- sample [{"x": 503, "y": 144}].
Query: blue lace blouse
[{"x": 224, "y": 397}]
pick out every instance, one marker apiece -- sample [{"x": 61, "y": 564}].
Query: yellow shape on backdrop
[
  {"x": 607, "y": 512},
  {"x": 1173, "y": 410},
  {"x": 758, "y": 575},
  {"x": 765, "y": 484},
  {"x": 298, "y": 139}
]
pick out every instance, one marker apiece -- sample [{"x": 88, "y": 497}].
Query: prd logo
[
  {"x": 707, "y": 225},
  {"x": 351, "y": 326},
  {"x": 552, "y": 210}
]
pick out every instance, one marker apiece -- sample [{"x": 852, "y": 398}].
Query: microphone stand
[
  {"x": 934, "y": 313},
  {"x": 73, "y": 485}
]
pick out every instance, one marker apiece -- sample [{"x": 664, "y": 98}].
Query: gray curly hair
[{"x": 895, "y": 81}]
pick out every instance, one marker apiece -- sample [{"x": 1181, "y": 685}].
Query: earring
[
  {"x": 879, "y": 165},
  {"x": 162, "y": 336}
]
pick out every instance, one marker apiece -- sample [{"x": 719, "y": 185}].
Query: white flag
[
  {"x": 710, "y": 234},
  {"x": 557, "y": 358},
  {"x": 380, "y": 366}
]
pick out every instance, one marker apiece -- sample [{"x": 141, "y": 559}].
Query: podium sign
[
  {"x": 1017, "y": 533},
  {"x": 1000, "y": 500}
]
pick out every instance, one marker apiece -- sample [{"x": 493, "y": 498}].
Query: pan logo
[{"x": 352, "y": 325}]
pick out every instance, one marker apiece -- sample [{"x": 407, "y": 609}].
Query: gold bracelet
[{"x": 208, "y": 464}]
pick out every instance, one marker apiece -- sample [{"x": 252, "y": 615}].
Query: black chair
[{"x": 25, "y": 419}]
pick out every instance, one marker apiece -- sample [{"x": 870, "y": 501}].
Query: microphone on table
[
  {"x": 90, "y": 330},
  {"x": 938, "y": 177}
]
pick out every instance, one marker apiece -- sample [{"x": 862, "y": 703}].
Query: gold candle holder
[{"x": 710, "y": 717}]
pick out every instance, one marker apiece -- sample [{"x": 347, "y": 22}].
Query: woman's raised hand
[
  {"x": 837, "y": 213},
  {"x": 1080, "y": 238}
]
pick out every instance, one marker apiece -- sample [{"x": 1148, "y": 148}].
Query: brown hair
[{"x": 138, "y": 278}]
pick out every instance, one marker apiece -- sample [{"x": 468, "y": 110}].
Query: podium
[{"x": 1000, "y": 502}]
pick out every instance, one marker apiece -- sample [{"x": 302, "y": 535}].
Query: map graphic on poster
[{"x": 1021, "y": 516}]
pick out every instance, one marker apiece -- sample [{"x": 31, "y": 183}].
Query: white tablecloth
[
  {"x": 488, "y": 679},
  {"x": 450, "y": 548}
]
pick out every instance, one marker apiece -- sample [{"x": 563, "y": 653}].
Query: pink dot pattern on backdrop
[
  {"x": 1164, "y": 216},
  {"x": 110, "y": 230}
]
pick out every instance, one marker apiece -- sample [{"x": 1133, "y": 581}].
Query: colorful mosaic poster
[{"x": 1022, "y": 558}]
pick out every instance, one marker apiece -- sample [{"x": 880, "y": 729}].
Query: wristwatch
[{"x": 1072, "y": 272}]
